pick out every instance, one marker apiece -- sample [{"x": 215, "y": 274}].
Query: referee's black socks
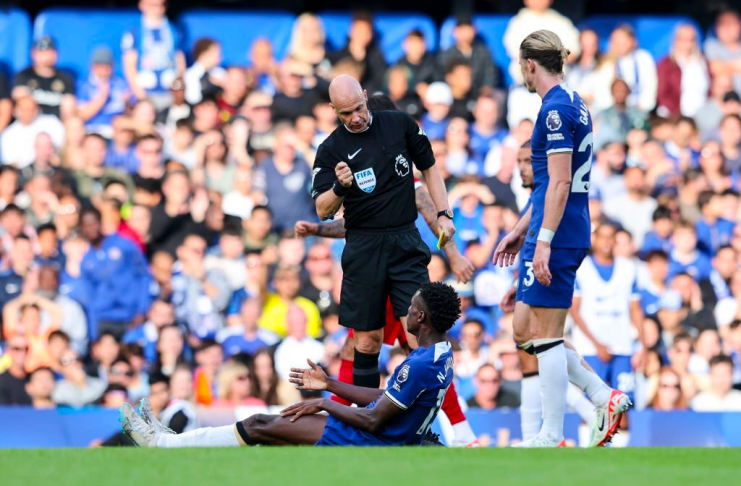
[{"x": 365, "y": 371}]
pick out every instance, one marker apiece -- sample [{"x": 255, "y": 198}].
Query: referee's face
[{"x": 353, "y": 111}]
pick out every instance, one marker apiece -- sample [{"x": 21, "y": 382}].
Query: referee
[{"x": 365, "y": 165}]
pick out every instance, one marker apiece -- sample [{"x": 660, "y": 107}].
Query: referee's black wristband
[{"x": 339, "y": 189}]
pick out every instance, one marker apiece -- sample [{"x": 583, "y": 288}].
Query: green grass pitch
[{"x": 305, "y": 466}]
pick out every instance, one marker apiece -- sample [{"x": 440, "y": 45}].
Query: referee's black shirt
[{"x": 382, "y": 193}]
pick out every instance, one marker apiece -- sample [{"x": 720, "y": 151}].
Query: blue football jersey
[
  {"x": 418, "y": 386},
  {"x": 564, "y": 125}
]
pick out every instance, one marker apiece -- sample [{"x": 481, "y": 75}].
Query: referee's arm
[{"x": 330, "y": 184}]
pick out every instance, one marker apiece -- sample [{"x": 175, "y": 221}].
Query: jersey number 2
[
  {"x": 579, "y": 184},
  {"x": 433, "y": 411}
]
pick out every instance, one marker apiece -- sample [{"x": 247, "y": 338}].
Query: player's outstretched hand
[
  {"x": 313, "y": 378},
  {"x": 540, "y": 263},
  {"x": 461, "y": 267},
  {"x": 305, "y": 228},
  {"x": 508, "y": 301},
  {"x": 344, "y": 174},
  {"x": 296, "y": 410},
  {"x": 507, "y": 250}
]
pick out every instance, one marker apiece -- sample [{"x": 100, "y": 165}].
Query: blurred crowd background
[{"x": 148, "y": 205}]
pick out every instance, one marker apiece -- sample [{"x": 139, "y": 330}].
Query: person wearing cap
[
  {"x": 53, "y": 90},
  {"x": 438, "y": 99},
  {"x": 152, "y": 57},
  {"x": 475, "y": 52},
  {"x": 102, "y": 96}
]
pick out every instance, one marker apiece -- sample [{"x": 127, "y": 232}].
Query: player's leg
[
  {"x": 363, "y": 302},
  {"x": 347, "y": 356},
  {"x": 531, "y": 405},
  {"x": 622, "y": 377},
  {"x": 276, "y": 430},
  {"x": 589, "y": 374}
]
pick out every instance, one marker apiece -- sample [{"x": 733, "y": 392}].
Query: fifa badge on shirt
[
  {"x": 366, "y": 180},
  {"x": 553, "y": 120},
  {"x": 401, "y": 166}
]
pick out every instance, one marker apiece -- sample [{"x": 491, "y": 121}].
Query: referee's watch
[{"x": 447, "y": 213}]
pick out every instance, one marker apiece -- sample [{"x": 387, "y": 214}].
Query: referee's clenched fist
[
  {"x": 365, "y": 165},
  {"x": 344, "y": 174}
]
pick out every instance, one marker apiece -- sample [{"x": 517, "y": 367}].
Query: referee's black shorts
[{"x": 378, "y": 266}]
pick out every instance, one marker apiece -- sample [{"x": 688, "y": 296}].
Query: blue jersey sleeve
[
  {"x": 559, "y": 130},
  {"x": 407, "y": 383}
]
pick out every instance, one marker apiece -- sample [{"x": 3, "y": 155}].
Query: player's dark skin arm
[
  {"x": 359, "y": 395},
  {"x": 368, "y": 419}
]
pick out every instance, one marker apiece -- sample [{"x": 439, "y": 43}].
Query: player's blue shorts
[
  {"x": 563, "y": 265},
  {"x": 618, "y": 373},
  {"x": 338, "y": 433}
]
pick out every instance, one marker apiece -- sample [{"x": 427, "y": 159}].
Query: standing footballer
[
  {"x": 365, "y": 165},
  {"x": 556, "y": 237}
]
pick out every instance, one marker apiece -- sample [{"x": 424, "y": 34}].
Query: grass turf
[{"x": 305, "y": 466}]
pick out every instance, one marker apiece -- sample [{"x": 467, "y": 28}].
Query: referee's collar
[{"x": 366, "y": 128}]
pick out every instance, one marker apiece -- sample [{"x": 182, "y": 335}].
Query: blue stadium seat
[
  {"x": 236, "y": 31},
  {"x": 15, "y": 40},
  {"x": 491, "y": 29},
  {"x": 79, "y": 31},
  {"x": 391, "y": 27},
  {"x": 655, "y": 33}
]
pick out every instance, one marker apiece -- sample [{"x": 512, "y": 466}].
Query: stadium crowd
[{"x": 147, "y": 221}]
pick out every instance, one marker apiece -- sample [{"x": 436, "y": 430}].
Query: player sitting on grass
[{"x": 400, "y": 415}]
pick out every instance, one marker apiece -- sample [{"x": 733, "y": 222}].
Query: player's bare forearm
[
  {"x": 426, "y": 207},
  {"x": 332, "y": 229},
  {"x": 327, "y": 204},
  {"x": 369, "y": 419},
  {"x": 524, "y": 223},
  {"x": 436, "y": 187},
  {"x": 358, "y": 395},
  {"x": 636, "y": 316},
  {"x": 555, "y": 203}
]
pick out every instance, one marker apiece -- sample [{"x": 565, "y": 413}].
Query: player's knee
[
  {"x": 522, "y": 335},
  {"x": 369, "y": 342},
  {"x": 348, "y": 349},
  {"x": 255, "y": 423}
]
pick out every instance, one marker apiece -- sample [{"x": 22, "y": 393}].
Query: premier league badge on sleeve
[
  {"x": 403, "y": 374},
  {"x": 553, "y": 120},
  {"x": 401, "y": 166}
]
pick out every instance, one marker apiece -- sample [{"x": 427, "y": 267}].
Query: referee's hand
[
  {"x": 445, "y": 224},
  {"x": 344, "y": 174}
]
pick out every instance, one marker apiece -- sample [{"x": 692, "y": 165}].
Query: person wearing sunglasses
[
  {"x": 76, "y": 389},
  {"x": 12, "y": 382}
]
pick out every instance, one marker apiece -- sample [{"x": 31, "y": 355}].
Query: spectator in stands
[
  {"x": 121, "y": 150},
  {"x": 713, "y": 166},
  {"x": 320, "y": 280},
  {"x": 308, "y": 43},
  {"x": 17, "y": 142},
  {"x": 12, "y": 381},
  {"x": 174, "y": 413},
  {"x": 115, "y": 272},
  {"x": 49, "y": 251},
  {"x": 537, "y": 15},
  {"x": 263, "y": 69},
  {"x": 233, "y": 93},
  {"x": 206, "y": 75},
  {"x": 148, "y": 158},
  {"x": 103, "y": 95},
  {"x": 212, "y": 158},
  {"x": 180, "y": 213},
  {"x": 618, "y": 120},
  {"x": 707, "y": 346},
  {"x": 659, "y": 238},
  {"x": 712, "y": 230},
  {"x": 727, "y": 309},
  {"x": 272, "y": 389},
  {"x": 634, "y": 209},
  {"x": 6, "y": 104},
  {"x": 730, "y": 141},
  {"x": 179, "y": 146},
  {"x": 139, "y": 384},
  {"x": 53, "y": 90},
  {"x": 474, "y": 352},
  {"x": 209, "y": 358},
  {"x": 161, "y": 314},
  {"x": 40, "y": 387},
  {"x": 41, "y": 200},
  {"x": 23, "y": 316},
  {"x": 635, "y": 66},
  {"x": 684, "y": 80},
  {"x": 398, "y": 84},
  {"x": 170, "y": 350},
  {"x": 76, "y": 389},
  {"x": 120, "y": 373},
  {"x": 458, "y": 77},
  {"x": 722, "y": 101},
  {"x": 73, "y": 319},
  {"x": 293, "y": 100},
  {"x": 486, "y": 133},
  {"x": 720, "y": 397},
  {"x": 9, "y": 177},
  {"x": 438, "y": 101},
  {"x": 93, "y": 176},
  {"x": 685, "y": 258},
  {"x": 419, "y": 61},
  {"x": 206, "y": 116},
  {"x": 296, "y": 346},
  {"x": 229, "y": 258},
  {"x": 46, "y": 160},
  {"x": 152, "y": 57},
  {"x": 103, "y": 353},
  {"x": 287, "y": 283},
  {"x": 284, "y": 179},
  {"x": 478, "y": 56},
  {"x": 582, "y": 75},
  {"x": 181, "y": 383},
  {"x": 668, "y": 396},
  {"x": 487, "y": 383},
  {"x": 363, "y": 48},
  {"x": 240, "y": 200},
  {"x": 236, "y": 387},
  {"x": 722, "y": 50},
  {"x": 458, "y": 162},
  {"x": 199, "y": 294},
  {"x": 244, "y": 334}
]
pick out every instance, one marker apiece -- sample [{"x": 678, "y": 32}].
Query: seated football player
[{"x": 400, "y": 415}]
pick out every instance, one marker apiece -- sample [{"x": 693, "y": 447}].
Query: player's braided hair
[{"x": 443, "y": 305}]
